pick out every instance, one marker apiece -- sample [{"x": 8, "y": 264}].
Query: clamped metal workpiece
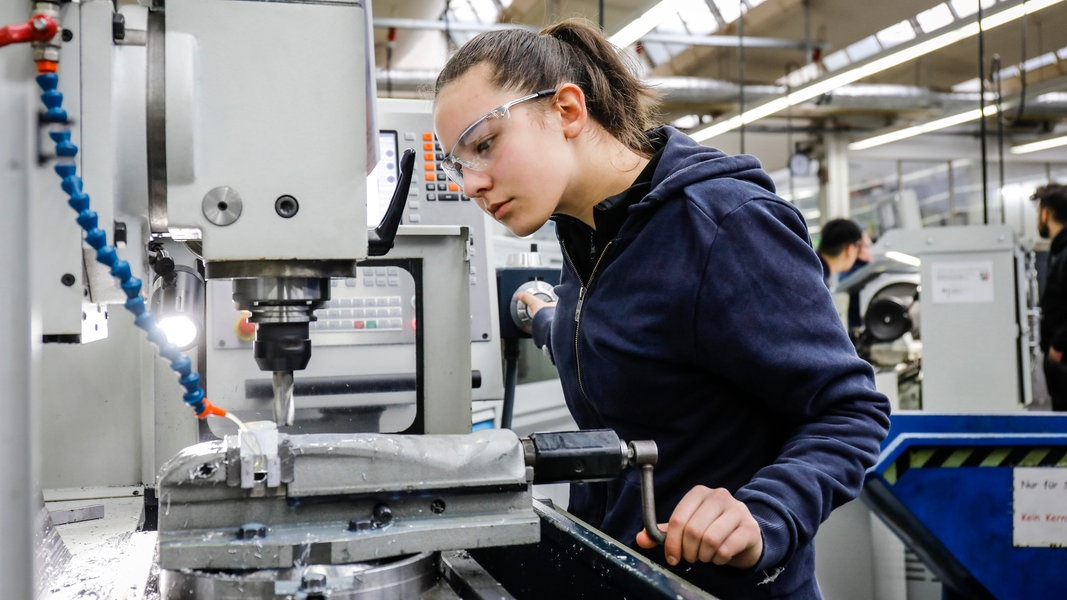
[
  {"x": 273, "y": 503},
  {"x": 267, "y": 515},
  {"x": 267, "y": 500}
]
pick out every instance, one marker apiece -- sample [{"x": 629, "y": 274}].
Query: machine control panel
[
  {"x": 438, "y": 186},
  {"x": 432, "y": 199}
]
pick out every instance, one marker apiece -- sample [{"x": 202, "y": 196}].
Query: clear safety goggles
[{"x": 474, "y": 147}]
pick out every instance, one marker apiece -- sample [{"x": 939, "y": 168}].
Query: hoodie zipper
[{"x": 578, "y": 308}]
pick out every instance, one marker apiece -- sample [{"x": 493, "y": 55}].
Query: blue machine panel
[{"x": 945, "y": 485}]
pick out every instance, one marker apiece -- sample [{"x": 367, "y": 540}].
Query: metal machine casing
[
  {"x": 70, "y": 288},
  {"x": 443, "y": 374},
  {"x": 340, "y": 351},
  {"x": 281, "y": 105},
  {"x": 974, "y": 329}
]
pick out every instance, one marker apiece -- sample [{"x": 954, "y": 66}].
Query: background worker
[
  {"x": 839, "y": 246},
  {"x": 1051, "y": 217}
]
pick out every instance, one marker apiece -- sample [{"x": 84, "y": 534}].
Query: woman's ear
[{"x": 570, "y": 105}]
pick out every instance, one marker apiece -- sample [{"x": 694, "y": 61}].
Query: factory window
[
  {"x": 931, "y": 184},
  {"x": 729, "y": 10},
  {"x": 1012, "y": 71},
  {"x": 966, "y": 8},
  {"x": 800, "y": 76},
  {"x": 475, "y": 11},
  {"x": 836, "y": 60},
  {"x": 860, "y": 50},
  {"x": 1008, "y": 73},
  {"x": 929, "y": 20},
  {"x": 888, "y": 194},
  {"x": 472, "y": 11},
  {"x": 902, "y": 32},
  {"x": 935, "y": 18},
  {"x": 693, "y": 17},
  {"x": 1039, "y": 61}
]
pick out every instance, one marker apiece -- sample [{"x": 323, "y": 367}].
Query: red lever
[{"x": 40, "y": 28}]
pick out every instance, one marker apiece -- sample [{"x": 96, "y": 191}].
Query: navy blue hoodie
[{"x": 706, "y": 326}]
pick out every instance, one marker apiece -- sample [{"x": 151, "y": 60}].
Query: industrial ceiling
[{"x": 716, "y": 59}]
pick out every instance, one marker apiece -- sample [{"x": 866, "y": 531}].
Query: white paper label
[
  {"x": 1040, "y": 507},
  {"x": 962, "y": 282}
]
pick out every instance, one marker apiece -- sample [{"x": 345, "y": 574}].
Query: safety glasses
[{"x": 475, "y": 146}]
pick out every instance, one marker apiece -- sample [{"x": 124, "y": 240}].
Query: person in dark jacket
[
  {"x": 1051, "y": 216},
  {"x": 863, "y": 258},
  {"x": 692, "y": 309},
  {"x": 840, "y": 243}
]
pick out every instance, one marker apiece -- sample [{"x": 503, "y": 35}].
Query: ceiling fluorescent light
[
  {"x": 645, "y": 23},
  {"x": 1006, "y": 16},
  {"x": 928, "y": 127},
  {"x": 898, "y": 56},
  {"x": 1045, "y": 144}
]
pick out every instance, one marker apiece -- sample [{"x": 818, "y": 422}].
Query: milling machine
[{"x": 244, "y": 159}]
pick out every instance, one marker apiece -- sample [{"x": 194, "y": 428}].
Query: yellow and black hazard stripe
[{"x": 941, "y": 457}]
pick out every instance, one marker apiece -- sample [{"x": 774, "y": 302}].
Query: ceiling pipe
[
  {"x": 696, "y": 91},
  {"x": 429, "y": 25},
  {"x": 726, "y": 41}
]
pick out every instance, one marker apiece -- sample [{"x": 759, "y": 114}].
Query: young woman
[{"x": 692, "y": 309}]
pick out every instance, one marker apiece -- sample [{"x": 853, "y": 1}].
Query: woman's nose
[{"x": 475, "y": 184}]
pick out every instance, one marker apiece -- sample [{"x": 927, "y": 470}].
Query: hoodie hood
[{"x": 685, "y": 162}]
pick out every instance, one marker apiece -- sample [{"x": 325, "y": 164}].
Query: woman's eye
[{"x": 483, "y": 146}]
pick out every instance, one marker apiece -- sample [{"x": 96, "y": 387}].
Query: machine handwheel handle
[
  {"x": 520, "y": 313},
  {"x": 643, "y": 454}
]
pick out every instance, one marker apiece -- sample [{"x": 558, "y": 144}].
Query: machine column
[
  {"x": 833, "y": 195},
  {"x": 17, "y": 509}
]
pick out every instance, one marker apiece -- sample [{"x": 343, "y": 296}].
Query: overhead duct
[{"x": 693, "y": 91}]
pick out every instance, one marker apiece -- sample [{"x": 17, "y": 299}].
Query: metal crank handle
[{"x": 643, "y": 454}]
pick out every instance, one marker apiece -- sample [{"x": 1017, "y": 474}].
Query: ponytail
[{"x": 571, "y": 51}]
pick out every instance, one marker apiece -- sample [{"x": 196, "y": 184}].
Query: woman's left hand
[
  {"x": 534, "y": 302},
  {"x": 710, "y": 525}
]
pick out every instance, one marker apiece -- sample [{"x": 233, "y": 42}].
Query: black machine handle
[{"x": 380, "y": 239}]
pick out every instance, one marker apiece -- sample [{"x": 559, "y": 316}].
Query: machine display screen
[{"x": 382, "y": 180}]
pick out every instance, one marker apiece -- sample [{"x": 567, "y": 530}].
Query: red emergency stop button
[{"x": 245, "y": 330}]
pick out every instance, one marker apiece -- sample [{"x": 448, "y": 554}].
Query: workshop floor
[{"x": 109, "y": 558}]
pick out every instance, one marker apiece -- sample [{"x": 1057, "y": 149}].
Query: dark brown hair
[
  {"x": 571, "y": 51},
  {"x": 1053, "y": 197}
]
